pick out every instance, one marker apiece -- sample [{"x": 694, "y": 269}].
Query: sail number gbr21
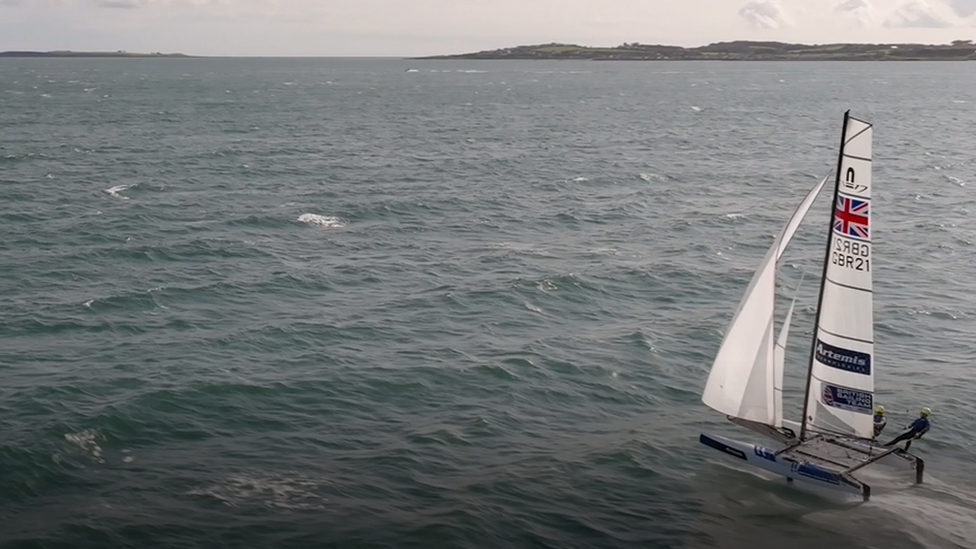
[{"x": 851, "y": 254}]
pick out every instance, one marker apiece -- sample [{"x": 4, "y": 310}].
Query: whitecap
[
  {"x": 88, "y": 441},
  {"x": 114, "y": 191},
  {"x": 321, "y": 221},
  {"x": 291, "y": 491},
  {"x": 652, "y": 177}
]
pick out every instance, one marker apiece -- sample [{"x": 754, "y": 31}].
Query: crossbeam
[
  {"x": 794, "y": 445},
  {"x": 821, "y": 458},
  {"x": 870, "y": 460},
  {"x": 852, "y": 446}
]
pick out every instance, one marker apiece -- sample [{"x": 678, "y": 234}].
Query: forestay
[
  {"x": 840, "y": 395},
  {"x": 744, "y": 377}
]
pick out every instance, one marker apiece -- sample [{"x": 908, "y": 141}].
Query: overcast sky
[{"x": 421, "y": 27}]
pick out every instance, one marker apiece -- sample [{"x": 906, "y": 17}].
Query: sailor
[
  {"x": 915, "y": 430},
  {"x": 879, "y": 420}
]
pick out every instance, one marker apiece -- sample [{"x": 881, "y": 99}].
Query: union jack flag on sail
[{"x": 851, "y": 217}]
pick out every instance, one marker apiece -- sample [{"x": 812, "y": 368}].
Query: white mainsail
[
  {"x": 742, "y": 380},
  {"x": 840, "y": 396}
]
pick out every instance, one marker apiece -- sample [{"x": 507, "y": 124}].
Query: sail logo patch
[
  {"x": 851, "y": 400},
  {"x": 843, "y": 359},
  {"x": 851, "y": 217},
  {"x": 850, "y": 184}
]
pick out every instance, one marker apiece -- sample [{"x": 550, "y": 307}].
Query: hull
[{"x": 765, "y": 458}]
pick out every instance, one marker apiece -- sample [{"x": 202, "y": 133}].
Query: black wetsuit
[{"x": 918, "y": 428}]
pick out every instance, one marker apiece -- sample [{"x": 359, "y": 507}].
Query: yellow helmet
[
  {"x": 879, "y": 410},
  {"x": 925, "y": 412}
]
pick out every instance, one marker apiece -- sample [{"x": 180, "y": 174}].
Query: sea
[{"x": 393, "y": 303}]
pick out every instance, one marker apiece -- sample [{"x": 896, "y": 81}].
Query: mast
[{"x": 823, "y": 275}]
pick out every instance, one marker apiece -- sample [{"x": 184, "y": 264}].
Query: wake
[{"x": 934, "y": 514}]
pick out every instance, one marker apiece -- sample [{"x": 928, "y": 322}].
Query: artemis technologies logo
[{"x": 843, "y": 359}]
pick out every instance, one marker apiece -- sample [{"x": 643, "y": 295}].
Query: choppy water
[{"x": 332, "y": 303}]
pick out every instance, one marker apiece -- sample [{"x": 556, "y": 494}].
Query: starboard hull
[{"x": 765, "y": 458}]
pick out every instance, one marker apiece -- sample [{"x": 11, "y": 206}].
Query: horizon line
[{"x": 127, "y": 53}]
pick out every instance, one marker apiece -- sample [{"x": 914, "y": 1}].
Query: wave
[
  {"x": 116, "y": 191},
  {"x": 288, "y": 490},
  {"x": 316, "y": 220}
]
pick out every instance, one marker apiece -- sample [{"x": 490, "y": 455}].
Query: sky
[{"x": 427, "y": 27}]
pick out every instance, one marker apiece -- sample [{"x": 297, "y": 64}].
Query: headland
[{"x": 959, "y": 50}]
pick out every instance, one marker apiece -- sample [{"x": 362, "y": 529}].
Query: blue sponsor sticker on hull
[
  {"x": 843, "y": 359},
  {"x": 851, "y": 400},
  {"x": 815, "y": 472},
  {"x": 721, "y": 446}
]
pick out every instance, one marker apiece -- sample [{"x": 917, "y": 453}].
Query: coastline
[{"x": 959, "y": 50}]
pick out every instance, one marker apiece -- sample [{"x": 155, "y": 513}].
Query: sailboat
[{"x": 834, "y": 436}]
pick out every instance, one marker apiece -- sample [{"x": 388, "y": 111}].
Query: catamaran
[{"x": 835, "y": 435}]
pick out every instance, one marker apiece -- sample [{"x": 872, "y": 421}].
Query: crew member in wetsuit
[
  {"x": 917, "y": 428},
  {"x": 879, "y": 420}
]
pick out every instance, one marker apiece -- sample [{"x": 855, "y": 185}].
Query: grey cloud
[
  {"x": 916, "y": 14},
  {"x": 860, "y": 13},
  {"x": 852, "y": 5},
  {"x": 763, "y": 14},
  {"x": 118, "y": 4},
  {"x": 964, "y": 8},
  {"x": 9, "y": 2}
]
